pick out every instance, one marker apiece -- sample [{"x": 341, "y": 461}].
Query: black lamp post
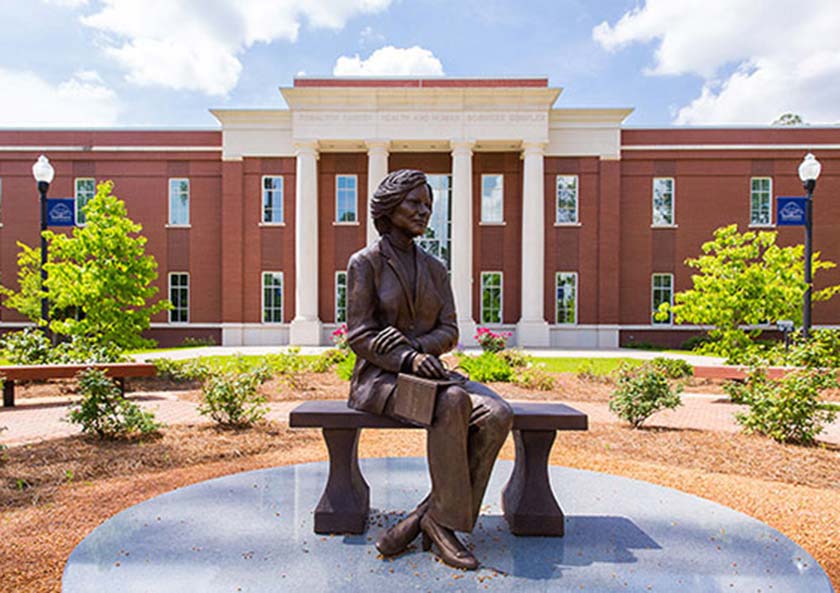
[
  {"x": 809, "y": 171},
  {"x": 43, "y": 172}
]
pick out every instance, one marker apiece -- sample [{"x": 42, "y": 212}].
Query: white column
[
  {"x": 305, "y": 329},
  {"x": 377, "y": 170},
  {"x": 532, "y": 329},
  {"x": 462, "y": 238}
]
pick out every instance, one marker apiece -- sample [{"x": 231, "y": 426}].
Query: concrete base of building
[
  {"x": 466, "y": 333},
  {"x": 305, "y": 332},
  {"x": 595, "y": 337},
  {"x": 533, "y": 334},
  {"x": 255, "y": 334}
]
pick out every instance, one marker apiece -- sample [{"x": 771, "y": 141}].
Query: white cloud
[
  {"x": 391, "y": 61},
  {"x": 195, "y": 45},
  {"x": 66, "y": 3},
  {"x": 83, "y": 100},
  {"x": 370, "y": 37},
  {"x": 757, "y": 59}
]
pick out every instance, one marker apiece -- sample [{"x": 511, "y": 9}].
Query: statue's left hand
[{"x": 388, "y": 339}]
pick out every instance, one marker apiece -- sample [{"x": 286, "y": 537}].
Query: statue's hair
[{"x": 391, "y": 191}]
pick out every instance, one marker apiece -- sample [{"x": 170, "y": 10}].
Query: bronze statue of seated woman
[{"x": 401, "y": 319}]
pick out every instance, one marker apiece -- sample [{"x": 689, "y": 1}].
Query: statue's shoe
[
  {"x": 395, "y": 540},
  {"x": 450, "y": 549}
]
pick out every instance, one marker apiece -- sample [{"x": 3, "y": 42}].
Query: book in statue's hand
[{"x": 415, "y": 397}]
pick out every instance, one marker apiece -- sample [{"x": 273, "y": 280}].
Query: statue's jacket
[{"x": 378, "y": 296}]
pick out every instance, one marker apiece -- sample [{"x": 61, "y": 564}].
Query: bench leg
[
  {"x": 527, "y": 500},
  {"x": 345, "y": 503},
  {"x": 8, "y": 393}
]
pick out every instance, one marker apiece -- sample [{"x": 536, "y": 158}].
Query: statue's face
[{"x": 412, "y": 214}]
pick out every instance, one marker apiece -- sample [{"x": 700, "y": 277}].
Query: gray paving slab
[{"x": 252, "y": 532}]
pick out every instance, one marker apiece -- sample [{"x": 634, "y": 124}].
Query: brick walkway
[{"x": 35, "y": 420}]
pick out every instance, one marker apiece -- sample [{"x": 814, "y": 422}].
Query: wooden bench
[
  {"x": 118, "y": 370},
  {"x": 527, "y": 500},
  {"x": 736, "y": 373}
]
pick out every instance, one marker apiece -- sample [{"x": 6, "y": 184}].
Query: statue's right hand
[
  {"x": 388, "y": 339},
  {"x": 429, "y": 366}
]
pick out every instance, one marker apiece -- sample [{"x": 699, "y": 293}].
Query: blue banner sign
[
  {"x": 61, "y": 212},
  {"x": 790, "y": 211}
]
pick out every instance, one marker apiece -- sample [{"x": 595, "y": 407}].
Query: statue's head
[{"x": 403, "y": 200}]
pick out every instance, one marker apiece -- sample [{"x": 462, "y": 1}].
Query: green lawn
[{"x": 599, "y": 366}]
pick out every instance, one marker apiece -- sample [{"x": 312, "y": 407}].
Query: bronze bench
[
  {"x": 40, "y": 372},
  {"x": 527, "y": 500}
]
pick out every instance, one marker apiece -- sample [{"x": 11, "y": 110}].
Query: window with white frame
[
  {"x": 179, "y": 201},
  {"x": 438, "y": 237},
  {"x": 761, "y": 202},
  {"x": 272, "y": 198},
  {"x": 663, "y": 201},
  {"x": 662, "y": 291},
  {"x": 566, "y": 297},
  {"x": 272, "y": 304},
  {"x": 567, "y": 199},
  {"x": 492, "y": 198},
  {"x": 179, "y": 296},
  {"x": 340, "y": 297},
  {"x": 346, "y": 194},
  {"x": 85, "y": 189},
  {"x": 491, "y": 297}
]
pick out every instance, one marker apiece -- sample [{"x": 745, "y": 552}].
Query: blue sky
[{"x": 88, "y": 63}]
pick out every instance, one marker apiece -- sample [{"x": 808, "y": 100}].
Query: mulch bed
[{"x": 55, "y": 492}]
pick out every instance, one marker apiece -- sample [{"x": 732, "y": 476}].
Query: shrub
[
  {"x": 486, "y": 367},
  {"x": 231, "y": 399},
  {"x": 514, "y": 358},
  {"x": 788, "y": 410},
  {"x": 291, "y": 366},
  {"x": 694, "y": 342},
  {"x": 81, "y": 350},
  {"x": 3, "y": 447},
  {"x": 674, "y": 368},
  {"x": 29, "y": 346},
  {"x": 641, "y": 392},
  {"x": 328, "y": 359},
  {"x": 339, "y": 337},
  {"x": 588, "y": 371},
  {"x": 344, "y": 369},
  {"x": 193, "y": 369},
  {"x": 491, "y": 341},
  {"x": 105, "y": 412},
  {"x": 190, "y": 341},
  {"x": 535, "y": 376},
  {"x": 642, "y": 345}
]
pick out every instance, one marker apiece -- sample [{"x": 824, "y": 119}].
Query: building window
[
  {"x": 179, "y": 201},
  {"x": 566, "y": 297},
  {"x": 491, "y": 297},
  {"x": 179, "y": 296},
  {"x": 340, "y": 297},
  {"x": 272, "y": 198},
  {"x": 567, "y": 199},
  {"x": 662, "y": 291},
  {"x": 663, "y": 201},
  {"x": 492, "y": 198},
  {"x": 761, "y": 190},
  {"x": 272, "y": 306},
  {"x": 84, "y": 192},
  {"x": 345, "y": 198},
  {"x": 438, "y": 237}
]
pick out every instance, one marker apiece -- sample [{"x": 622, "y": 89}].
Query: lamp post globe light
[
  {"x": 809, "y": 171},
  {"x": 43, "y": 172}
]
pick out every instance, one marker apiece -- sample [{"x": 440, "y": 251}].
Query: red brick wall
[
  {"x": 499, "y": 247},
  {"x": 141, "y": 180},
  {"x": 337, "y": 242}
]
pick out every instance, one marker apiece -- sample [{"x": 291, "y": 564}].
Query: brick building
[{"x": 560, "y": 225}]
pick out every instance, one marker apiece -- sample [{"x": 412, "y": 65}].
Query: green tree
[
  {"x": 99, "y": 280},
  {"x": 102, "y": 273},
  {"x": 744, "y": 279},
  {"x": 789, "y": 119},
  {"x": 27, "y": 299}
]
